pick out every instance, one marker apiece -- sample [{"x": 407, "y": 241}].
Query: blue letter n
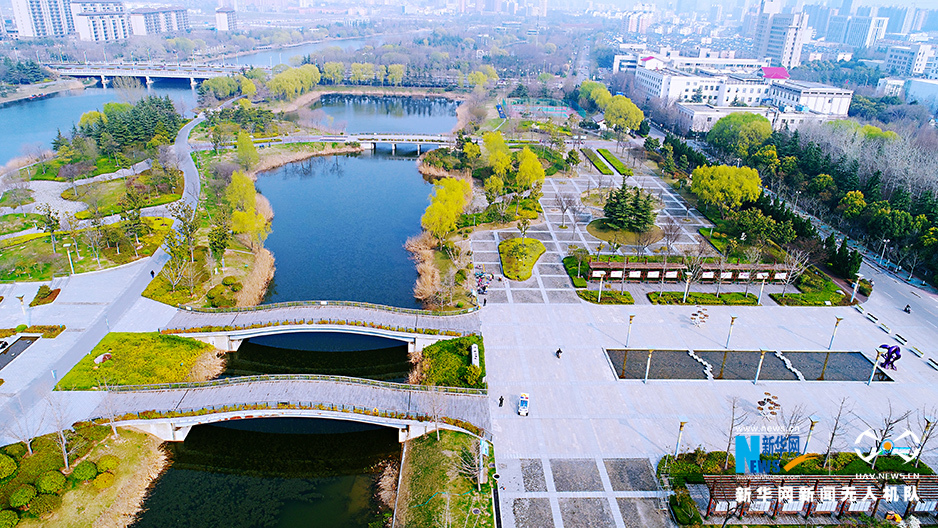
[{"x": 746, "y": 452}]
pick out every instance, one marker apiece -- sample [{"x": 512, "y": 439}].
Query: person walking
[
  {"x": 484, "y": 301},
  {"x": 152, "y": 274},
  {"x": 501, "y": 401}
]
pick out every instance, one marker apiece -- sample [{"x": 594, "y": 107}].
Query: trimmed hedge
[
  {"x": 85, "y": 470},
  {"x": 44, "y": 504},
  {"x": 108, "y": 463},
  {"x": 51, "y": 482},
  {"x": 104, "y": 480},
  {"x": 727, "y": 298},
  {"x": 609, "y": 297},
  {"x": 7, "y": 466},
  {"x": 596, "y": 161},
  {"x": 22, "y": 496},
  {"x": 614, "y": 161},
  {"x": 8, "y": 519}
]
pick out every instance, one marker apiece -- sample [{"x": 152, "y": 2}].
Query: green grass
[
  {"x": 614, "y": 161},
  {"x": 429, "y": 483},
  {"x": 50, "y": 169},
  {"x": 727, "y": 298},
  {"x": 30, "y": 257},
  {"x": 16, "y": 197},
  {"x": 609, "y": 297},
  {"x": 518, "y": 257},
  {"x": 816, "y": 290},
  {"x": 600, "y": 230},
  {"x": 596, "y": 161},
  {"x": 449, "y": 363},
  {"x": 12, "y": 223},
  {"x": 137, "y": 358},
  {"x": 108, "y": 195}
]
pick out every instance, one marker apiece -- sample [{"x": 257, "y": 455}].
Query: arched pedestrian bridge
[
  {"x": 170, "y": 411},
  {"x": 225, "y": 329}
]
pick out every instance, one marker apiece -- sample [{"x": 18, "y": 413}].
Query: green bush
[
  {"x": 579, "y": 282},
  {"x": 216, "y": 291},
  {"x": 85, "y": 470},
  {"x": 20, "y": 328},
  {"x": 44, "y": 504},
  {"x": 596, "y": 161},
  {"x": 229, "y": 280},
  {"x": 472, "y": 375},
  {"x": 614, "y": 161},
  {"x": 223, "y": 301},
  {"x": 236, "y": 287},
  {"x": 108, "y": 463},
  {"x": 684, "y": 508},
  {"x": 609, "y": 297},
  {"x": 22, "y": 496},
  {"x": 50, "y": 482},
  {"x": 16, "y": 450},
  {"x": 8, "y": 519},
  {"x": 104, "y": 480},
  {"x": 7, "y": 466}
]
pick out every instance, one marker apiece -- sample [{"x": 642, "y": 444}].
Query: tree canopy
[
  {"x": 726, "y": 187},
  {"x": 622, "y": 114},
  {"x": 738, "y": 133},
  {"x": 449, "y": 199}
]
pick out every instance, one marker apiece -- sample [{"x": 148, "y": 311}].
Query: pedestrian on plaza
[
  {"x": 152, "y": 274},
  {"x": 484, "y": 301},
  {"x": 501, "y": 401}
]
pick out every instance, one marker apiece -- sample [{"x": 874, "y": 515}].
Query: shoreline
[
  {"x": 130, "y": 498},
  {"x": 44, "y": 89},
  {"x": 286, "y": 46}
]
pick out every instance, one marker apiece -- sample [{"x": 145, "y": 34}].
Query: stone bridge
[
  {"x": 225, "y": 329},
  {"x": 170, "y": 411}
]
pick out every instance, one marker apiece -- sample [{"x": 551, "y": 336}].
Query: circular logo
[{"x": 887, "y": 446}]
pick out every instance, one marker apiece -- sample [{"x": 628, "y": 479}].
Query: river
[{"x": 340, "y": 222}]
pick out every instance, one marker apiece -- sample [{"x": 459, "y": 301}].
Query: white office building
[
  {"x": 100, "y": 21},
  {"x": 43, "y": 18},
  {"x": 908, "y": 61},
  {"x": 781, "y": 36},
  {"x": 226, "y": 19},
  {"x": 153, "y": 21},
  {"x": 862, "y": 32}
]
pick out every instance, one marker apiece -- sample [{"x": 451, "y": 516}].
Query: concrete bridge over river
[
  {"x": 146, "y": 71},
  {"x": 170, "y": 411},
  {"x": 226, "y": 329}
]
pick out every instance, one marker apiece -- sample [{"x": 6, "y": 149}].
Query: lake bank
[{"x": 24, "y": 92}]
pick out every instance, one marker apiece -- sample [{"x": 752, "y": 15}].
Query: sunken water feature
[
  {"x": 334, "y": 354},
  {"x": 276, "y": 472},
  {"x": 742, "y": 365}
]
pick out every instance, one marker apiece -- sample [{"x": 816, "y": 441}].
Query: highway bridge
[
  {"x": 146, "y": 71},
  {"x": 170, "y": 411}
]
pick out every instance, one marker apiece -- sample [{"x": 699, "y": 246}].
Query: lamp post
[
  {"x": 628, "y": 336},
  {"x": 814, "y": 422},
  {"x": 839, "y": 319},
  {"x": 730, "y": 333},
  {"x": 680, "y": 433},
  {"x": 875, "y": 364},
  {"x": 602, "y": 274},
  {"x": 23, "y": 308},
  {"x": 856, "y": 286},
  {"x": 70, "y": 265},
  {"x": 647, "y": 367},
  {"x": 883, "y": 255},
  {"x": 759, "y": 368},
  {"x": 761, "y": 288}
]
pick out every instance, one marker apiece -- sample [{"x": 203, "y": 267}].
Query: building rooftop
[
  {"x": 146, "y": 10},
  {"x": 775, "y": 72}
]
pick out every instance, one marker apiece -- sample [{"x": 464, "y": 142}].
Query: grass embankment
[
  {"x": 141, "y": 460},
  {"x": 434, "y": 493},
  {"x": 615, "y": 162},
  {"x": 12, "y": 223},
  {"x": 449, "y": 364},
  {"x": 600, "y": 230},
  {"x": 16, "y": 197},
  {"x": 50, "y": 170},
  {"x": 596, "y": 161},
  {"x": 609, "y": 297},
  {"x": 138, "y": 358},
  {"x": 35, "y": 490},
  {"x": 816, "y": 288},
  {"x": 45, "y": 295},
  {"x": 106, "y": 196},
  {"x": 518, "y": 257},
  {"x": 30, "y": 257},
  {"x": 727, "y": 298}
]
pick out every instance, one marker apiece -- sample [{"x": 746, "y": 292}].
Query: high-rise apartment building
[
  {"x": 837, "y": 29},
  {"x": 226, "y": 19},
  {"x": 818, "y": 18},
  {"x": 908, "y": 61},
  {"x": 862, "y": 32},
  {"x": 100, "y": 20},
  {"x": 43, "y": 18},
  {"x": 780, "y": 35},
  {"x": 153, "y": 21}
]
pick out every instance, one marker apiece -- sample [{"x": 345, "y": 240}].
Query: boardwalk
[
  {"x": 390, "y": 317},
  {"x": 469, "y": 408}
]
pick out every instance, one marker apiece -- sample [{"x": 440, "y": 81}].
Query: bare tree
[
  {"x": 564, "y": 202},
  {"x": 836, "y": 430},
  {"x": 883, "y": 429},
  {"x": 58, "y": 412},
  {"x": 753, "y": 255},
  {"x": 108, "y": 405},
  {"x": 694, "y": 259},
  {"x": 437, "y": 403},
  {"x": 721, "y": 267},
  {"x": 671, "y": 231},
  {"x": 467, "y": 464},
  {"x": 738, "y": 418},
  {"x": 644, "y": 239},
  {"x": 175, "y": 270},
  {"x": 926, "y": 421},
  {"x": 790, "y": 420},
  {"x": 23, "y": 425},
  {"x": 796, "y": 263}
]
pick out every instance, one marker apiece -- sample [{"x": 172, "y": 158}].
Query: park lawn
[
  {"x": 817, "y": 289},
  {"x": 462, "y": 296},
  {"x": 446, "y": 363},
  {"x": 16, "y": 197},
  {"x": 614, "y": 161},
  {"x": 84, "y": 503},
  {"x": 239, "y": 261},
  {"x": 577, "y": 271},
  {"x": 12, "y": 223},
  {"x": 596, "y": 161},
  {"x": 600, "y": 230},
  {"x": 519, "y": 256},
  {"x": 609, "y": 297},
  {"x": 727, "y": 298},
  {"x": 429, "y": 482},
  {"x": 108, "y": 195},
  {"x": 50, "y": 169},
  {"x": 136, "y": 359},
  {"x": 30, "y": 257}
]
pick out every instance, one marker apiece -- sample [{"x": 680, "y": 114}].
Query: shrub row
[
  {"x": 46, "y": 331},
  {"x": 609, "y": 296},
  {"x": 598, "y": 163},
  {"x": 614, "y": 161},
  {"x": 728, "y": 298}
]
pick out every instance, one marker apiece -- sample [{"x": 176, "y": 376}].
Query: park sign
[{"x": 749, "y": 451}]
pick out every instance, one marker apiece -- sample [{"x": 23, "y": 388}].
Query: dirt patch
[
  {"x": 432, "y": 173},
  {"x": 208, "y": 366},
  {"x": 255, "y": 284},
  {"x": 130, "y": 498},
  {"x": 273, "y": 161}
]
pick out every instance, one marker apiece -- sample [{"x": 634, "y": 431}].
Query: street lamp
[
  {"x": 629, "y": 335},
  {"x": 647, "y": 367},
  {"x": 814, "y": 422},
  {"x": 601, "y": 274},
  {"x": 70, "y": 265},
  {"x": 856, "y": 286},
  {"x": 23, "y": 308},
  {"x": 839, "y": 319},
  {"x": 761, "y": 288},
  {"x": 883, "y": 255},
  {"x": 730, "y": 333},
  {"x": 680, "y": 433},
  {"x": 875, "y": 364},
  {"x": 759, "y": 368}
]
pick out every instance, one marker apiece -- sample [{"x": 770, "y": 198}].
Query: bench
[
  {"x": 884, "y": 328},
  {"x": 794, "y": 507},
  {"x": 872, "y": 317},
  {"x": 900, "y": 339},
  {"x": 926, "y": 489},
  {"x": 858, "y": 507},
  {"x": 760, "y": 507},
  {"x": 932, "y": 363},
  {"x": 826, "y": 507},
  {"x": 916, "y": 351},
  {"x": 724, "y": 507},
  {"x": 925, "y": 507},
  {"x": 858, "y": 308}
]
